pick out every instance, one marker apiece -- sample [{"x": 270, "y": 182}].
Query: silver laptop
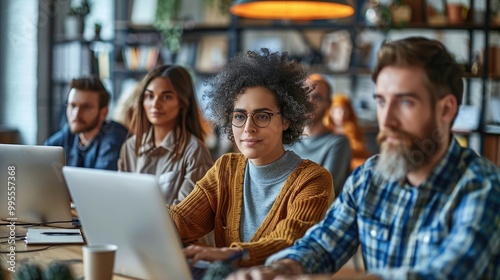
[
  {"x": 32, "y": 188},
  {"x": 127, "y": 209}
]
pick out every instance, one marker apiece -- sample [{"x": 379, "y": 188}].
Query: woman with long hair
[
  {"x": 341, "y": 119},
  {"x": 168, "y": 139}
]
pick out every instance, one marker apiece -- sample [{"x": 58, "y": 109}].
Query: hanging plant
[{"x": 166, "y": 22}]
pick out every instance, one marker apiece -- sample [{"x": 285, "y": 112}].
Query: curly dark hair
[{"x": 273, "y": 70}]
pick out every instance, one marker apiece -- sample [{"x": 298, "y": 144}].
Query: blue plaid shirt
[{"x": 446, "y": 228}]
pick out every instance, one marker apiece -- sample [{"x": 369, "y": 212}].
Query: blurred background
[{"x": 46, "y": 43}]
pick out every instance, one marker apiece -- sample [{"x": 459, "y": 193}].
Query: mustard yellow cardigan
[{"x": 216, "y": 203}]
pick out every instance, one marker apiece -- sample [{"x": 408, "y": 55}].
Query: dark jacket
[{"x": 101, "y": 153}]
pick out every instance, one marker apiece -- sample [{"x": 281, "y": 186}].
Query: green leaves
[
  {"x": 82, "y": 10},
  {"x": 166, "y": 22}
]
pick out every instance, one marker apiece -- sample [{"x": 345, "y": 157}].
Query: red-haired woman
[{"x": 341, "y": 119}]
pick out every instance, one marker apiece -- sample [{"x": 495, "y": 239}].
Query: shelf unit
[
  {"x": 72, "y": 58},
  {"x": 129, "y": 36}
]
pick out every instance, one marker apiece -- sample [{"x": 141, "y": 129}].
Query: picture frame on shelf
[
  {"x": 186, "y": 54},
  {"x": 276, "y": 40},
  {"x": 436, "y": 12},
  {"x": 212, "y": 53},
  {"x": 336, "y": 48},
  {"x": 365, "y": 49},
  {"x": 142, "y": 13}
]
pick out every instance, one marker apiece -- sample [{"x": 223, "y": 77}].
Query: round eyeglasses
[{"x": 260, "y": 119}]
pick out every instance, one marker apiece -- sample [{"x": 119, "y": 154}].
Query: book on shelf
[
  {"x": 72, "y": 60},
  {"x": 212, "y": 54},
  {"x": 103, "y": 61},
  {"x": 66, "y": 67},
  {"x": 140, "y": 58}
]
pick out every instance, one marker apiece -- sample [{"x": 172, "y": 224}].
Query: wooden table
[
  {"x": 68, "y": 253},
  {"x": 9, "y": 135},
  {"x": 73, "y": 255}
]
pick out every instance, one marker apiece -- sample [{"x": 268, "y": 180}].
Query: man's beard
[
  {"x": 397, "y": 159},
  {"x": 87, "y": 127}
]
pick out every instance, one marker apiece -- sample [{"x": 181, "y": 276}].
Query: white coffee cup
[{"x": 98, "y": 261}]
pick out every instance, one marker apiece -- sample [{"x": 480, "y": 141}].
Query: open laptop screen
[
  {"x": 127, "y": 209},
  {"x": 32, "y": 188}
]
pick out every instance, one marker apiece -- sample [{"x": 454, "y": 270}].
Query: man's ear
[
  {"x": 103, "y": 113},
  {"x": 448, "y": 108}
]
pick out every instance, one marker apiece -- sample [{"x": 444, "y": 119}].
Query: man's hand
[{"x": 211, "y": 254}]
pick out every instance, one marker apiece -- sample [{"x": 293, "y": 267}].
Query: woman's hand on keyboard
[{"x": 211, "y": 254}]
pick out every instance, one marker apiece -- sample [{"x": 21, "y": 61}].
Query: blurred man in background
[
  {"x": 88, "y": 139},
  {"x": 319, "y": 144}
]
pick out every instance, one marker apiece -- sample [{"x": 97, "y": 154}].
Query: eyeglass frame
[{"x": 271, "y": 114}]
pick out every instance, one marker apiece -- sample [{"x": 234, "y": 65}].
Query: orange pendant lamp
[{"x": 292, "y": 10}]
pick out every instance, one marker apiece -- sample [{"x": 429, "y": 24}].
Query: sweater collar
[{"x": 276, "y": 170}]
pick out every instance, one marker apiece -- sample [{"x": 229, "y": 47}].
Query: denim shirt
[{"x": 101, "y": 153}]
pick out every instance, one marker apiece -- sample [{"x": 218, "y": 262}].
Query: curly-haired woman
[{"x": 262, "y": 199}]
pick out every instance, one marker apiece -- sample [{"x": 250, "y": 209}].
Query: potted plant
[
  {"x": 97, "y": 30},
  {"x": 457, "y": 11},
  {"x": 401, "y": 13},
  {"x": 169, "y": 24},
  {"x": 75, "y": 21}
]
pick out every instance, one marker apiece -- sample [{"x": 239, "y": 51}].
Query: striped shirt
[{"x": 446, "y": 228}]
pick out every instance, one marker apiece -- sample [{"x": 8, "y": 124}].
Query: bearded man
[
  {"x": 88, "y": 139},
  {"x": 425, "y": 208}
]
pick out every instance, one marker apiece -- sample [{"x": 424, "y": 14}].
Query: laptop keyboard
[{"x": 198, "y": 273}]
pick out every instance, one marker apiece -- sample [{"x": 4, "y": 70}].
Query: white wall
[{"x": 19, "y": 81}]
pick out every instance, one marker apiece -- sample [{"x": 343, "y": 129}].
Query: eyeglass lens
[{"x": 261, "y": 119}]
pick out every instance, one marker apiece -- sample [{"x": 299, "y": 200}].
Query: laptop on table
[
  {"x": 32, "y": 188},
  {"x": 127, "y": 209}
]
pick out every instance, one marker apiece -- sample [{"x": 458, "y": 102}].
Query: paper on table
[{"x": 54, "y": 236}]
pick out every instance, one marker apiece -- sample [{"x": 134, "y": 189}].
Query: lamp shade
[{"x": 293, "y": 10}]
